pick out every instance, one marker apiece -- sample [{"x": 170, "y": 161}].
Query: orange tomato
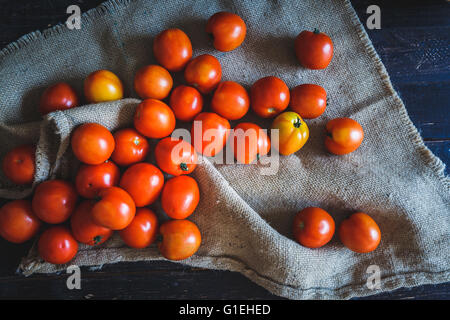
[
  {"x": 180, "y": 239},
  {"x": 344, "y": 135},
  {"x": 308, "y": 100},
  {"x": 172, "y": 49},
  {"x": 269, "y": 96},
  {"x": 92, "y": 143},
  {"x": 18, "y": 223},
  {"x": 314, "y": 50},
  {"x": 153, "y": 82},
  {"x": 250, "y": 142},
  {"x": 228, "y": 30},
  {"x": 313, "y": 227},
  {"x": 91, "y": 178},
  {"x": 142, "y": 231},
  {"x": 180, "y": 197},
  {"x": 101, "y": 86},
  {"x": 175, "y": 157},
  {"x": 18, "y": 164},
  {"x": 130, "y": 147},
  {"x": 204, "y": 73},
  {"x": 360, "y": 233},
  {"x": 293, "y": 132},
  {"x": 57, "y": 245},
  {"x": 59, "y": 96},
  {"x": 210, "y": 133},
  {"x": 154, "y": 119},
  {"x": 186, "y": 102},
  {"x": 230, "y": 100}
]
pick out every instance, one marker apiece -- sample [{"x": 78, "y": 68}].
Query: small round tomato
[
  {"x": 154, "y": 119},
  {"x": 115, "y": 210},
  {"x": 144, "y": 182},
  {"x": 175, "y": 157},
  {"x": 269, "y": 96},
  {"x": 101, "y": 86},
  {"x": 360, "y": 233},
  {"x": 153, "y": 82},
  {"x": 142, "y": 231},
  {"x": 313, "y": 227},
  {"x": 91, "y": 178},
  {"x": 308, "y": 100},
  {"x": 314, "y": 50},
  {"x": 18, "y": 164},
  {"x": 92, "y": 143},
  {"x": 250, "y": 142},
  {"x": 344, "y": 135},
  {"x": 180, "y": 239},
  {"x": 172, "y": 49},
  {"x": 130, "y": 147},
  {"x": 210, "y": 133},
  {"x": 293, "y": 132},
  {"x": 59, "y": 96},
  {"x": 186, "y": 102},
  {"x": 54, "y": 201},
  {"x": 228, "y": 30},
  {"x": 83, "y": 227},
  {"x": 204, "y": 73},
  {"x": 230, "y": 100},
  {"x": 18, "y": 223},
  {"x": 57, "y": 245},
  {"x": 180, "y": 197}
]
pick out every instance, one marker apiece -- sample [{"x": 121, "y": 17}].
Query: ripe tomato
[
  {"x": 314, "y": 50},
  {"x": 83, "y": 227},
  {"x": 360, "y": 233},
  {"x": 180, "y": 239},
  {"x": 18, "y": 223},
  {"x": 230, "y": 100},
  {"x": 154, "y": 119},
  {"x": 175, "y": 157},
  {"x": 293, "y": 132},
  {"x": 313, "y": 227},
  {"x": 59, "y": 96},
  {"x": 57, "y": 245},
  {"x": 91, "y": 178},
  {"x": 269, "y": 96},
  {"x": 153, "y": 82},
  {"x": 18, "y": 164},
  {"x": 92, "y": 143},
  {"x": 54, "y": 201},
  {"x": 186, "y": 102},
  {"x": 143, "y": 182},
  {"x": 308, "y": 100},
  {"x": 210, "y": 133},
  {"x": 131, "y": 147},
  {"x": 344, "y": 135},
  {"x": 228, "y": 30},
  {"x": 250, "y": 142},
  {"x": 203, "y": 72},
  {"x": 172, "y": 49},
  {"x": 101, "y": 86},
  {"x": 142, "y": 231},
  {"x": 115, "y": 210},
  {"x": 180, "y": 197}
]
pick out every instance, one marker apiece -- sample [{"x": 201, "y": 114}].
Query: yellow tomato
[
  {"x": 293, "y": 132},
  {"x": 102, "y": 85}
]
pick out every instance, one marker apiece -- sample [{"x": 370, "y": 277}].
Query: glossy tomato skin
[
  {"x": 54, "y": 201},
  {"x": 175, "y": 157},
  {"x": 60, "y": 96},
  {"x": 186, "y": 102},
  {"x": 228, "y": 30},
  {"x": 83, "y": 227},
  {"x": 180, "y": 239},
  {"x": 209, "y": 122},
  {"x": 144, "y": 182},
  {"x": 180, "y": 197},
  {"x": 269, "y": 96},
  {"x": 204, "y": 73},
  {"x": 308, "y": 100},
  {"x": 293, "y": 132},
  {"x": 92, "y": 143},
  {"x": 313, "y": 227},
  {"x": 18, "y": 165},
  {"x": 250, "y": 142},
  {"x": 130, "y": 147},
  {"x": 153, "y": 81},
  {"x": 142, "y": 231},
  {"x": 314, "y": 50},
  {"x": 101, "y": 86},
  {"x": 18, "y": 223},
  {"x": 360, "y": 233},
  {"x": 230, "y": 100},
  {"x": 90, "y": 179},
  {"x": 172, "y": 49},
  {"x": 154, "y": 119},
  {"x": 344, "y": 135},
  {"x": 57, "y": 245}
]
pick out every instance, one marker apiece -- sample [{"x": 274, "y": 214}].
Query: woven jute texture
[{"x": 245, "y": 217}]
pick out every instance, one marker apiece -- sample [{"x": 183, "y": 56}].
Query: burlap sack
[{"x": 245, "y": 217}]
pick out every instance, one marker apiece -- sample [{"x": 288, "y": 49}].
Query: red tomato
[
  {"x": 210, "y": 133},
  {"x": 175, "y": 157},
  {"x": 314, "y": 50},
  {"x": 91, "y": 178},
  {"x": 250, "y": 142},
  {"x": 101, "y": 86},
  {"x": 180, "y": 239},
  {"x": 18, "y": 223},
  {"x": 360, "y": 233},
  {"x": 230, "y": 100},
  {"x": 57, "y": 245},
  {"x": 54, "y": 201},
  {"x": 344, "y": 135},
  {"x": 172, "y": 49},
  {"x": 203, "y": 72},
  {"x": 153, "y": 82},
  {"x": 154, "y": 119},
  {"x": 59, "y": 96},
  {"x": 308, "y": 100},
  {"x": 131, "y": 147},
  {"x": 18, "y": 164},
  {"x": 92, "y": 143},
  {"x": 144, "y": 182},
  {"x": 269, "y": 96},
  {"x": 228, "y": 30},
  {"x": 313, "y": 227},
  {"x": 186, "y": 102},
  {"x": 180, "y": 197},
  {"x": 142, "y": 231}
]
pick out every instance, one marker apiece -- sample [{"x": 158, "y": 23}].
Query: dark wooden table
[{"x": 414, "y": 45}]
